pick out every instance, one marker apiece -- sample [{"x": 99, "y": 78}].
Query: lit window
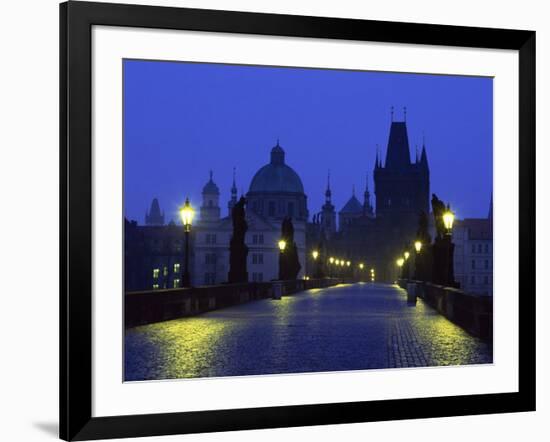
[
  {"x": 176, "y": 283},
  {"x": 177, "y": 267},
  {"x": 165, "y": 271},
  {"x": 155, "y": 286},
  {"x": 156, "y": 273}
]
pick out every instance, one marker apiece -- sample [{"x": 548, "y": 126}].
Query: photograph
[{"x": 284, "y": 220}]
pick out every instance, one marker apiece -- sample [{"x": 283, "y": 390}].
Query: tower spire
[
  {"x": 328, "y": 192},
  {"x": 391, "y": 110}
]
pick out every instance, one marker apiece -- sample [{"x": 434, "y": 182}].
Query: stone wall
[
  {"x": 472, "y": 312},
  {"x": 145, "y": 307}
]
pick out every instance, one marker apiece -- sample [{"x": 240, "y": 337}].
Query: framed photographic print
[{"x": 272, "y": 220}]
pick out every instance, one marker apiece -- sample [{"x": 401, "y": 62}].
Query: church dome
[
  {"x": 276, "y": 176},
  {"x": 211, "y": 187}
]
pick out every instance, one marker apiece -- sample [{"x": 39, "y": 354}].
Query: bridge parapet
[
  {"x": 472, "y": 312},
  {"x": 145, "y": 307}
]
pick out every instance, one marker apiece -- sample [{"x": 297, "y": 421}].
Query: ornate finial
[
  {"x": 211, "y": 173},
  {"x": 391, "y": 113},
  {"x": 405, "y": 113},
  {"x": 353, "y": 190},
  {"x": 328, "y": 180},
  {"x": 278, "y": 142},
  {"x": 234, "y": 174}
]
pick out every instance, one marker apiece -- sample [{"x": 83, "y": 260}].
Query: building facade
[
  {"x": 275, "y": 192},
  {"x": 473, "y": 257}
]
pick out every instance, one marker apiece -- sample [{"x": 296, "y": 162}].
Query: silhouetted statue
[
  {"x": 443, "y": 248},
  {"x": 438, "y": 208},
  {"x": 289, "y": 264},
  {"x": 423, "y": 232},
  {"x": 238, "y": 251}
]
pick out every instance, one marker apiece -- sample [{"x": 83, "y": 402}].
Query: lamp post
[
  {"x": 186, "y": 213},
  {"x": 418, "y": 274},
  {"x": 400, "y": 262},
  {"x": 317, "y": 273},
  {"x": 448, "y": 221}
]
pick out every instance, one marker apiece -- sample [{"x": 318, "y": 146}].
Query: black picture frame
[{"x": 76, "y": 21}]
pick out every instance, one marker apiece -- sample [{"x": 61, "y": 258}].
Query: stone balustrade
[{"x": 145, "y": 307}]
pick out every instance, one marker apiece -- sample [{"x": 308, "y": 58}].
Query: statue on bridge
[
  {"x": 289, "y": 264},
  {"x": 238, "y": 251},
  {"x": 438, "y": 208}
]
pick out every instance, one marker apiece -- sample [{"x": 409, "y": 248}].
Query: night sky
[{"x": 183, "y": 119}]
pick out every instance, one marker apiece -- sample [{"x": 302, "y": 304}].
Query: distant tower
[
  {"x": 351, "y": 211},
  {"x": 210, "y": 209},
  {"x": 401, "y": 187},
  {"x": 154, "y": 217},
  {"x": 328, "y": 214},
  {"x": 233, "y": 199},
  {"x": 367, "y": 207}
]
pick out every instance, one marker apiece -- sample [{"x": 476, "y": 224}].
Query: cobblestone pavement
[{"x": 348, "y": 327}]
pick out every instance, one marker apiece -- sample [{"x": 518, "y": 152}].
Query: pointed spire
[
  {"x": 328, "y": 192},
  {"x": 353, "y": 190},
  {"x": 234, "y": 185},
  {"x": 391, "y": 114},
  {"x": 398, "y": 154},
  {"x": 367, "y": 183},
  {"x": 377, "y": 160},
  {"x": 424, "y": 155}
]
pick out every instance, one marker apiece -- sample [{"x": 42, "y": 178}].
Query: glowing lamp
[
  {"x": 406, "y": 255},
  {"x": 187, "y": 213},
  {"x": 448, "y": 220},
  {"x": 400, "y": 262},
  {"x": 282, "y": 245},
  {"x": 417, "y": 246},
  {"x": 315, "y": 254}
]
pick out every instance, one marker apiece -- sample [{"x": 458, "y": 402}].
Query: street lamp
[
  {"x": 406, "y": 255},
  {"x": 315, "y": 254},
  {"x": 348, "y": 263},
  {"x": 417, "y": 246},
  {"x": 400, "y": 262},
  {"x": 282, "y": 245},
  {"x": 448, "y": 220},
  {"x": 361, "y": 265},
  {"x": 186, "y": 213},
  {"x": 331, "y": 260}
]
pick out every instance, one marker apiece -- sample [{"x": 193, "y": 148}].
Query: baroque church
[{"x": 276, "y": 191}]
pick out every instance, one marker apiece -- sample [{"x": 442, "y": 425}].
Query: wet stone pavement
[{"x": 348, "y": 327}]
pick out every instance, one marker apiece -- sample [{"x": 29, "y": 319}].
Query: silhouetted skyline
[{"x": 184, "y": 119}]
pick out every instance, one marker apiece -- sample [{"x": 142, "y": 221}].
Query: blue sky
[{"x": 183, "y": 119}]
